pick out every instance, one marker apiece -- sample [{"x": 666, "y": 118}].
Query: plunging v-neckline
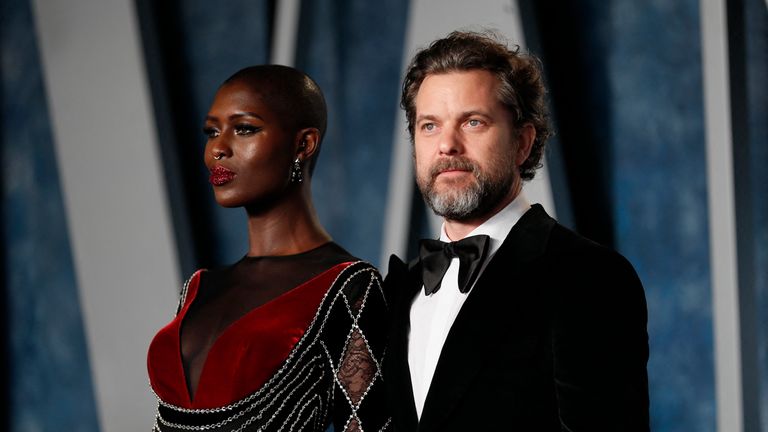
[{"x": 192, "y": 396}]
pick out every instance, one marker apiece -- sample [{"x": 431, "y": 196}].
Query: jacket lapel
[
  {"x": 482, "y": 318},
  {"x": 401, "y": 286}
]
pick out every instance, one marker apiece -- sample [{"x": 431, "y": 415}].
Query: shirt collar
[{"x": 499, "y": 225}]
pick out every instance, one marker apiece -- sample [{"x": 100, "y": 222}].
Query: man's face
[{"x": 464, "y": 145}]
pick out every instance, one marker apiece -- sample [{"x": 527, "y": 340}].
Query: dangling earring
[{"x": 296, "y": 174}]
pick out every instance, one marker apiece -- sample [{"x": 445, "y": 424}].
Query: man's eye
[
  {"x": 428, "y": 127},
  {"x": 211, "y": 132},
  {"x": 474, "y": 123},
  {"x": 245, "y": 129}
]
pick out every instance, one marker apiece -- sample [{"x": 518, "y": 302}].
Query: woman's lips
[{"x": 220, "y": 176}]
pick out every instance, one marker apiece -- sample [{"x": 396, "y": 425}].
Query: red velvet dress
[{"x": 299, "y": 361}]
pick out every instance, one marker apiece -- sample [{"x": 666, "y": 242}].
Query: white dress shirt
[{"x": 432, "y": 315}]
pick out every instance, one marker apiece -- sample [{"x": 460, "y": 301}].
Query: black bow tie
[{"x": 436, "y": 258}]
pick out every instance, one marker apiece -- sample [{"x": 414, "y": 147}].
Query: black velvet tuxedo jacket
[{"x": 551, "y": 338}]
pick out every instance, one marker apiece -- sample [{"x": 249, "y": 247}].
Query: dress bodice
[
  {"x": 309, "y": 357},
  {"x": 246, "y": 353}
]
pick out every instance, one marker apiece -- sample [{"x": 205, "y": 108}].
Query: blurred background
[{"x": 661, "y": 113}]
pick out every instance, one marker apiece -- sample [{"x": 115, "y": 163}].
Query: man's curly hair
[{"x": 521, "y": 87}]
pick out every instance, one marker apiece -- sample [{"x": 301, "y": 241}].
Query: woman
[{"x": 289, "y": 337}]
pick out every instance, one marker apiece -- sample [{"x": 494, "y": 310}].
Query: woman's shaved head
[{"x": 291, "y": 94}]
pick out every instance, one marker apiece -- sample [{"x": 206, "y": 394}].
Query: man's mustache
[{"x": 453, "y": 163}]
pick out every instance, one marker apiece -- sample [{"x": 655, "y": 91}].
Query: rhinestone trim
[{"x": 304, "y": 385}]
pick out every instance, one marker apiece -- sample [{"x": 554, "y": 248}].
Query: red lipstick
[{"x": 220, "y": 176}]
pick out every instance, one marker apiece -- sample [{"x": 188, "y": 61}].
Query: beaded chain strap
[{"x": 332, "y": 374}]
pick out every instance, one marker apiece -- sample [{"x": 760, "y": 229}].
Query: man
[{"x": 512, "y": 322}]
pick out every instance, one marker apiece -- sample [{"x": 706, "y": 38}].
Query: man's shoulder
[
  {"x": 397, "y": 268},
  {"x": 398, "y": 277},
  {"x": 544, "y": 233},
  {"x": 567, "y": 242},
  {"x": 586, "y": 262}
]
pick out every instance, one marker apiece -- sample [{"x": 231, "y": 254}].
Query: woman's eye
[
  {"x": 211, "y": 132},
  {"x": 245, "y": 129}
]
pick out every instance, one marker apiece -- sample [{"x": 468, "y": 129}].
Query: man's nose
[{"x": 451, "y": 142}]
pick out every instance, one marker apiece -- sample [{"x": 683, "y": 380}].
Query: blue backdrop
[
  {"x": 643, "y": 99},
  {"x": 49, "y": 382}
]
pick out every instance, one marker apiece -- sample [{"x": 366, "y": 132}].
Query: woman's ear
[{"x": 307, "y": 144}]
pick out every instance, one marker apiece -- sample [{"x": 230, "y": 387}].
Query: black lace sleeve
[{"x": 356, "y": 348}]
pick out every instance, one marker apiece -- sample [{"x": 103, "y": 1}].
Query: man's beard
[{"x": 459, "y": 203}]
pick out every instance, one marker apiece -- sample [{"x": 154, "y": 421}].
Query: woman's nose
[{"x": 219, "y": 148}]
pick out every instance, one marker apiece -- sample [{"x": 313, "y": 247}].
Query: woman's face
[{"x": 249, "y": 152}]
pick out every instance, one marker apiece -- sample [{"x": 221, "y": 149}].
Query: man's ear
[{"x": 526, "y": 136}]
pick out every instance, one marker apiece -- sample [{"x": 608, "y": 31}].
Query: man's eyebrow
[
  {"x": 465, "y": 114},
  {"x": 425, "y": 117},
  {"x": 473, "y": 112}
]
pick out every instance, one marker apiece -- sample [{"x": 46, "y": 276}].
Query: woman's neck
[{"x": 289, "y": 227}]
